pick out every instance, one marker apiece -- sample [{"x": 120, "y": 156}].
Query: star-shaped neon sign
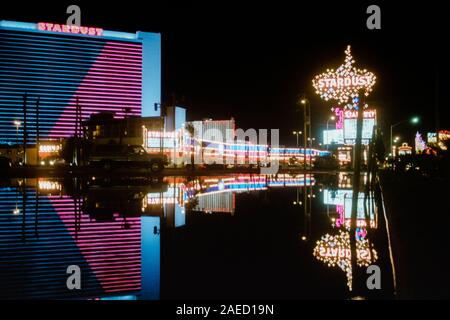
[{"x": 345, "y": 83}]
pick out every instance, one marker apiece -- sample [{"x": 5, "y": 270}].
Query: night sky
[{"x": 253, "y": 62}]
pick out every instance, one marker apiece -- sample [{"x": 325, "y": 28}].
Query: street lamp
[
  {"x": 306, "y": 126},
  {"x": 413, "y": 120},
  {"x": 17, "y": 123},
  {"x": 328, "y": 120},
  {"x": 296, "y": 133}
]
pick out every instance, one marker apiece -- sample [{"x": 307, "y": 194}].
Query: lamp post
[
  {"x": 296, "y": 133},
  {"x": 328, "y": 120},
  {"x": 306, "y": 124},
  {"x": 413, "y": 120},
  {"x": 17, "y": 123},
  {"x": 311, "y": 142}
]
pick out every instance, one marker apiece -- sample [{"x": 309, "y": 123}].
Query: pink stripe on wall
[
  {"x": 115, "y": 96},
  {"x": 112, "y": 251}
]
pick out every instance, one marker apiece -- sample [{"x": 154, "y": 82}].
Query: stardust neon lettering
[
  {"x": 340, "y": 82},
  {"x": 55, "y": 27}
]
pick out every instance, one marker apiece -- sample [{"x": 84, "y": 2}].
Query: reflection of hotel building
[
  {"x": 43, "y": 232},
  {"x": 214, "y": 194},
  {"x": 111, "y": 232}
]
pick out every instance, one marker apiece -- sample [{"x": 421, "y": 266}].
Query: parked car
[
  {"x": 326, "y": 163},
  {"x": 117, "y": 155},
  {"x": 52, "y": 161}
]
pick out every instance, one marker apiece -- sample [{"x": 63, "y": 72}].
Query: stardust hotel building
[{"x": 63, "y": 65}]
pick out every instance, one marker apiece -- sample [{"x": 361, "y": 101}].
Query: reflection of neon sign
[
  {"x": 49, "y": 185},
  {"x": 55, "y": 27},
  {"x": 325, "y": 252},
  {"x": 335, "y": 251},
  {"x": 49, "y": 148}
]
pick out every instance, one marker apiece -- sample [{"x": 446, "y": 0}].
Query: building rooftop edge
[{"x": 31, "y": 26}]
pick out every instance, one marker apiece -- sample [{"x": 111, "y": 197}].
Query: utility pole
[
  {"x": 356, "y": 184},
  {"x": 25, "y": 97},
  {"x": 79, "y": 135},
  {"x": 37, "y": 130},
  {"x": 77, "y": 121},
  {"x": 305, "y": 134},
  {"x": 436, "y": 106},
  {"x": 310, "y": 169},
  {"x": 310, "y": 138},
  {"x": 307, "y": 194}
]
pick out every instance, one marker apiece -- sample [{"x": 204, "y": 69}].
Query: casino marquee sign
[
  {"x": 344, "y": 83},
  {"x": 73, "y": 29}
]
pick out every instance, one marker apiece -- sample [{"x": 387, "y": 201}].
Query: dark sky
[{"x": 252, "y": 62}]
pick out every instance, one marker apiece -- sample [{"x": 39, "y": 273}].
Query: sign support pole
[{"x": 356, "y": 187}]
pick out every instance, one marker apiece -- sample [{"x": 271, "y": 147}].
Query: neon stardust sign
[
  {"x": 55, "y": 27},
  {"x": 344, "y": 83},
  {"x": 339, "y": 82}
]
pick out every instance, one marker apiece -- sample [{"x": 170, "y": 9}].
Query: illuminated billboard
[
  {"x": 350, "y": 120},
  {"x": 157, "y": 140},
  {"x": 335, "y": 136}
]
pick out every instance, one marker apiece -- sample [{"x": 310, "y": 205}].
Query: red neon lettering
[
  {"x": 57, "y": 28},
  {"x": 84, "y": 30},
  {"x": 75, "y": 29},
  {"x": 45, "y": 26}
]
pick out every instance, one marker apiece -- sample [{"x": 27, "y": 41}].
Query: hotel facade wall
[{"x": 98, "y": 73}]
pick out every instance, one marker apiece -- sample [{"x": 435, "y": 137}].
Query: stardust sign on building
[{"x": 65, "y": 66}]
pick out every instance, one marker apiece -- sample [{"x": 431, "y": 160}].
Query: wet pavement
[{"x": 186, "y": 237}]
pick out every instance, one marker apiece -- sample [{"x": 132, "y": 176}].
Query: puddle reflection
[{"x": 111, "y": 228}]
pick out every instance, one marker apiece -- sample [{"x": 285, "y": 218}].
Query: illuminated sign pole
[{"x": 348, "y": 84}]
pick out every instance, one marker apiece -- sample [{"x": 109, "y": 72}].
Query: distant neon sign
[
  {"x": 353, "y": 114},
  {"x": 55, "y": 27},
  {"x": 340, "y": 118}
]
